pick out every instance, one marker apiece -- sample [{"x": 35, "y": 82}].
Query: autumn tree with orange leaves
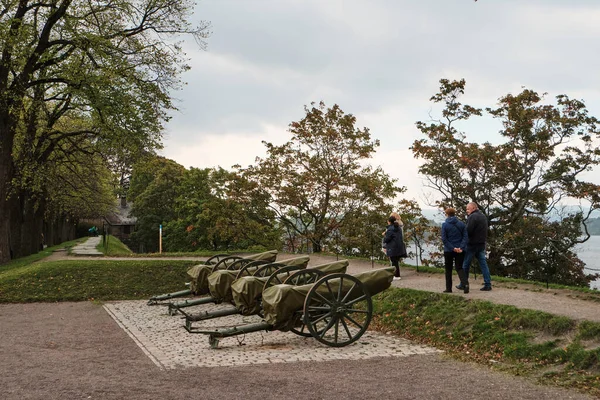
[
  {"x": 520, "y": 184},
  {"x": 319, "y": 178}
]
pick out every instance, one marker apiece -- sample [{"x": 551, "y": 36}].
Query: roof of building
[{"x": 121, "y": 215}]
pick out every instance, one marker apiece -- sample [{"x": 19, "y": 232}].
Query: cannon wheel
[
  {"x": 274, "y": 271},
  {"x": 268, "y": 270},
  {"x": 251, "y": 268},
  {"x": 338, "y": 313},
  {"x": 244, "y": 263},
  {"x": 216, "y": 258},
  {"x": 304, "y": 277},
  {"x": 282, "y": 275},
  {"x": 225, "y": 262},
  {"x": 299, "y": 278}
]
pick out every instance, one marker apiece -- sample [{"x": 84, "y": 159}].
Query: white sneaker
[{"x": 397, "y": 278}]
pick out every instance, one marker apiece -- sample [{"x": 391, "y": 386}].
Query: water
[{"x": 588, "y": 252}]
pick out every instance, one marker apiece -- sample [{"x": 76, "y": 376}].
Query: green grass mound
[
  {"x": 100, "y": 280},
  {"x": 525, "y": 342},
  {"x": 112, "y": 246}
]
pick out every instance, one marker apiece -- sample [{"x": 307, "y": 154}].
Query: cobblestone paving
[{"x": 164, "y": 339}]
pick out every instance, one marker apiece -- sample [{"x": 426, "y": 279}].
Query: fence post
[{"x": 160, "y": 239}]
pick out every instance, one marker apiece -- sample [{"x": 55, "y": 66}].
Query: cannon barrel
[
  {"x": 162, "y": 297},
  {"x": 280, "y": 302}
]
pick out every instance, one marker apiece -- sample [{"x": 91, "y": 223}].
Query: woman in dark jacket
[
  {"x": 394, "y": 244},
  {"x": 454, "y": 237}
]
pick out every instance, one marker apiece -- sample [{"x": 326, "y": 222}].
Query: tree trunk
[
  {"x": 6, "y": 175},
  {"x": 316, "y": 247},
  {"x": 15, "y": 225},
  {"x": 69, "y": 226},
  {"x": 25, "y": 225},
  {"x": 58, "y": 230},
  {"x": 50, "y": 232},
  {"x": 32, "y": 222}
]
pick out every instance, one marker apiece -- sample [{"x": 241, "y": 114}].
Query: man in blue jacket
[
  {"x": 477, "y": 227},
  {"x": 454, "y": 237}
]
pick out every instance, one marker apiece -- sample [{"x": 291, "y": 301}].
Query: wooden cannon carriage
[{"x": 336, "y": 310}]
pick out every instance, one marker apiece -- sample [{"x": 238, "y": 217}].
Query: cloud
[
  {"x": 379, "y": 60},
  {"x": 213, "y": 150}
]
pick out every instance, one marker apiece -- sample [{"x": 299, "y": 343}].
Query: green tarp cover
[
  {"x": 199, "y": 273},
  {"x": 219, "y": 282},
  {"x": 247, "y": 291},
  {"x": 280, "y": 302},
  {"x": 270, "y": 256}
]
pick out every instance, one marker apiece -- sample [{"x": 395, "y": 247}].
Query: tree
[
  {"x": 418, "y": 230},
  {"x": 318, "y": 178},
  {"x": 71, "y": 180},
  {"x": 518, "y": 184},
  {"x": 153, "y": 191},
  {"x": 198, "y": 208},
  {"x": 361, "y": 233},
  {"x": 215, "y": 210},
  {"x": 113, "y": 62}
]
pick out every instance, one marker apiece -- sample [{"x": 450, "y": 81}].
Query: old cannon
[
  {"x": 246, "y": 291},
  {"x": 336, "y": 310},
  {"x": 201, "y": 284},
  {"x": 200, "y": 272},
  {"x": 219, "y": 281}
]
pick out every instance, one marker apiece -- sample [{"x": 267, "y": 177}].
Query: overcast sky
[{"x": 380, "y": 60}]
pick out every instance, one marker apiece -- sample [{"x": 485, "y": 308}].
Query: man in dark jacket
[
  {"x": 454, "y": 237},
  {"x": 477, "y": 227}
]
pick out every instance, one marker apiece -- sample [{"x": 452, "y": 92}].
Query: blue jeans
[{"x": 479, "y": 253}]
